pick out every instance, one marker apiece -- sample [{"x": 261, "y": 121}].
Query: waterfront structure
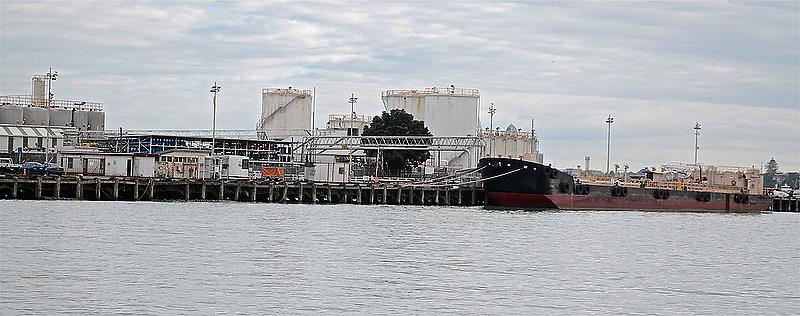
[
  {"x": 90, "y": 161},
  {"x": 180, "y": 163},
  {"x": 32, "y": 141}
]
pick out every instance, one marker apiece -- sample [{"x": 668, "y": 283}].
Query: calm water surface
[{"x": 61, "y": 257}]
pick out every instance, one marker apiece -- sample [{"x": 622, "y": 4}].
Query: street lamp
[
  {"x": 214, "y": 89},
  {"x": 696, "y": 135},
  {"x": 492, "y": 110},
  {"x": 352, "y": 102},
  {"x": 609, "y": 120},
  {"x": 51, "y": 76}
]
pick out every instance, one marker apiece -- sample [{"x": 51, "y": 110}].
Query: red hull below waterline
[{"x": 612, "y": 203}]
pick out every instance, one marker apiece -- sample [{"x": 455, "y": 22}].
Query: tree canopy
[
  {"x": 398, "y": 123},
  {"x": 769, "y": 176}
]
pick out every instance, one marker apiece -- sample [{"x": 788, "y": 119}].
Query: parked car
[
  {"x": 34, "y": 168},
  {"x": 7, "y": 166},
  {"x": 54, "y": 169}
]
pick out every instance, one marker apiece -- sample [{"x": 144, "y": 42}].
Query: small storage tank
[
  {"x": 285, "y": 109},
  {"x": 11, "y": 115},
  {"x": 97, "y": 120},
  {"x": 35, "y": 116}
]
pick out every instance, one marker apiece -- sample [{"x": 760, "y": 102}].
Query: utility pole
[
  {"x": 696, "y": 136},
  {"x": 492, "y": 110},
  {"x": 609, "y": 120},
  {"x": 352, "y": 102}
]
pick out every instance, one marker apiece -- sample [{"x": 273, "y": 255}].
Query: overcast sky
[{"x": 657, "y": 67}]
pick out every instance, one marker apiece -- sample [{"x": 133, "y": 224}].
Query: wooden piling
[
  {"x": 371, "y": 194},
  {"x": 460, "y": 196},
  {"x": 38, "y": 188},
  {"x": 151, "y": 185},
  {"x": 313, "y": 193},
  {"x": 238, "y": 188},
  {"x": 79, "y": 188},
  {"x": 255, "y": 193},
  {"x": 399, "y": 195},
  {"x": 422, "y": 197},
  {"x": 447, "y": 196},
  {"x": 222, "y": 191},
  {"x": 203, "y": 191},
  {"x": 330, "y": 195},
  {"x": 136, "y": 190},
  {"x": 15, "y": 188},
  {"x": 300, "y": 192},
  {"x": 285, "y": 192},
  {"x": 271, "y": 190},
  {"x": 358, "y": 199},
  {"x": 58, "y": 188},
  {"x": 116, "y": 189},
  {"x": 186, "y": 192},
  {"x": 385, "y": 195}
]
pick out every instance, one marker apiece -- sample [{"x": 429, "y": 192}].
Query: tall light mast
[
  {"x": 609, "y": 120},
  {"x": 696, "y": 136}
]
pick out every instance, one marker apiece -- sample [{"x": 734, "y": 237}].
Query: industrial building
[{"x": 514, "y": 143}]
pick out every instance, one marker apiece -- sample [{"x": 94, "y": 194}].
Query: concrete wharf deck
[{"x": 308, "y": 192}]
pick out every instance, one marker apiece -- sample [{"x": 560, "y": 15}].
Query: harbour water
[{"x": 201, "y": 258}]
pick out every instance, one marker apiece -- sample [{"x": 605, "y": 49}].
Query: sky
[{"x": 656, "y": 67}]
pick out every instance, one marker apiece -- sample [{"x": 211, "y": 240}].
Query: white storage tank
[
  {"x": 60, "y": 117},
  {"x": 80, "y": 119},
  {"x": 446, "y": 111},
  {"x": 97, "y": 120},
  {"x": 35, "y": 116},
  {"x": 285, "y": 109},
  {"x": 11, "y": 115}
]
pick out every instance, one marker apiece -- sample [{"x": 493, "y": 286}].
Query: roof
[{"x": 9, "y": 130}]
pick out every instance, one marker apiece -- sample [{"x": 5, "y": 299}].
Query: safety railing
[{"x": 28, "y": 101}]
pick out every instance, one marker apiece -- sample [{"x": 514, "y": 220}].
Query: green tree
[
  {"x": 769, "y": 176},
  {"x": 398, "y": 123}
]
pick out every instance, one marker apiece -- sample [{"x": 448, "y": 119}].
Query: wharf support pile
[{"x": 307, "y": 192}]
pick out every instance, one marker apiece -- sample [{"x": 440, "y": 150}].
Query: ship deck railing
[{"x": 677, "y": 186}]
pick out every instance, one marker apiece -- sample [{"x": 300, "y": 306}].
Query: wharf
[
  {"x": 786, "y": 205},
  {"x": 307, "y": 192}
]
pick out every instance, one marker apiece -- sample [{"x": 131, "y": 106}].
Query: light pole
[
  {"x": 492, "y": 110},
  {"x": 214, "y": 89},
  {"x": 51, "y": 76},
  {"x": 609, "y": 120},
  {"x": 352, "y": 102},
  {"x": 696, "y": 135}
]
